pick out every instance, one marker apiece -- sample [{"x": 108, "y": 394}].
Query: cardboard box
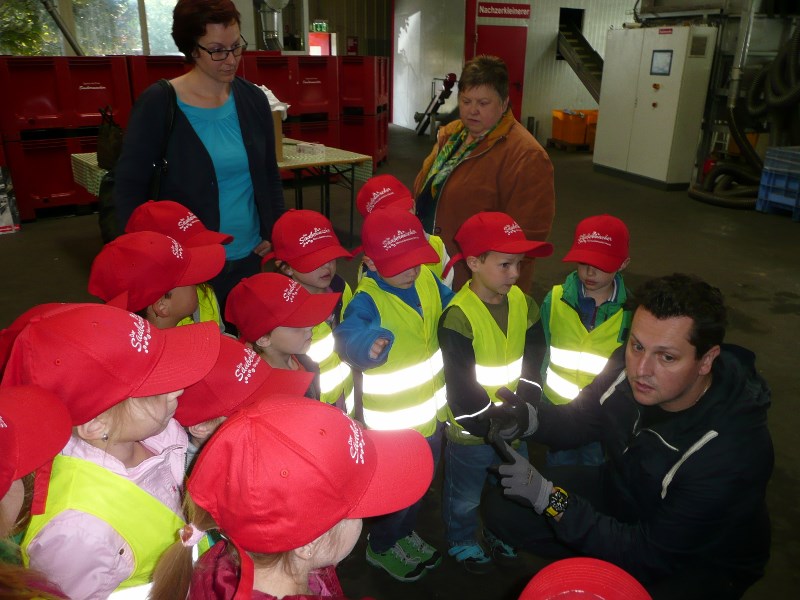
[{"x": 277, "y": 123}]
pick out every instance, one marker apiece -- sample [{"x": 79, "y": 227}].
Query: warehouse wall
[
  {"x": 429, "y": 42},
  {"x": 550, "y": 83},
  {"x": 369, "y": 20}
]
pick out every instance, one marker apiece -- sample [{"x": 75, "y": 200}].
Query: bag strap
[
  {"x": 172, "y": 105},
  {"x": 160, "y": 166},
  {"x": 107, "y": 114}
]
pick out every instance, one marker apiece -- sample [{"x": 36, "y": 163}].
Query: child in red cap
[
  {"x": 237, "y": 379},
  {"x": 158, "y": 274},
  {"x": 286, "y": 483},
  {"x": 389, "y": 333},
  {"x": 487, "y": 341},
  {"x": 275, "y": 316},
  {"x": 34, "y": 426},
  {"x": 112, "y": 502},
  {"x": 584, "y": 320},
  {"x": 386, "y": 190},
  {"x": 178, "y": 222},
  {"x": 305, "y": 248}
]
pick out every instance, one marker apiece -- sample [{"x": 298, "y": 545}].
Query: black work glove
[
  {"x": 516, "y": 416},
  {"x": 523, "y": 483}
]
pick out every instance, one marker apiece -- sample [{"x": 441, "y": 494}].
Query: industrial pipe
[{"x": 76, "y": 47}]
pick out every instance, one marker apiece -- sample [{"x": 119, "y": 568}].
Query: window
[{"x": 99, "y": 26}]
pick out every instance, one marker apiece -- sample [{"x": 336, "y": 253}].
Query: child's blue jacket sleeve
[{"x": 358, "y": 331}]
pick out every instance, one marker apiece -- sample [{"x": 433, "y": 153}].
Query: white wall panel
[
  {"x": 428, "y": 43},
  {"x": 431, "y": 34},
  {"x": 550, "y": 83}
]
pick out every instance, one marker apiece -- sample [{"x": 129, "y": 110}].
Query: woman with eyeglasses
[{"x": 220, "y": 154}]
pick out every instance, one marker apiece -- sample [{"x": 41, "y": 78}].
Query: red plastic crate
[
  {"x": 319, "y": 132},
  {"x": 366, "y": 134},
  {"x": 383, "y": 136},
  {"x": 29, "y": 161},
  {"x": 363, "y": 84},
  {"x": 34, "y": 95},
  {"x": 146, "y": 70},
  {"x": 278, "y": 73},
  {"x": 317, "y": 87},
  {"x": 95, "y": 82}
]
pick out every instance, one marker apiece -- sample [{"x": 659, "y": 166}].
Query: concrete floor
[{"x": 753, "y": 258}]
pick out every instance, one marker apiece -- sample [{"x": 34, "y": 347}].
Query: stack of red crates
[
  {"x": 309, "y": 84},
  {"x": 49, "y": 109},
  {"x": 364, "y": 97},
  {"x": 146, "y": 70}
]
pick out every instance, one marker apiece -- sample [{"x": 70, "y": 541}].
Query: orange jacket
[{"x": 510, "y": 172}]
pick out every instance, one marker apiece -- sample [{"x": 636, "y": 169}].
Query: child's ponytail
[{"x": 173, "y": 573}]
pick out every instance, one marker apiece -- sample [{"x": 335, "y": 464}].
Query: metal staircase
[{"x": 579, "y": 54}]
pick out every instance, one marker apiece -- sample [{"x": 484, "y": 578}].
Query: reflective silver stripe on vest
[
  {"x": 441, "y": 398},
  {"x": 496, "y": 376},
  {"x": 562, "y": 387},
  {"x": 404, "y": 418},
  {"x": 350, "y": 402},
  {"x": 577, "y": 361},
  {"x": 138, "y": 592},
  {"x": 330, "y": 379},
  {"x": 321, "y": 349},
  {"x": 389, "y": 384}
]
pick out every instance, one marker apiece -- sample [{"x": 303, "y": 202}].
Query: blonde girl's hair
[{"x": 173, "y": 573}]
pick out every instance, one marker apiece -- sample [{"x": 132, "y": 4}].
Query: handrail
[{"x": 578, "y": 62}]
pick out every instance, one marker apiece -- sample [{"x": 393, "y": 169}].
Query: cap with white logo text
[
  {"x": 259, "y": 304},
  {"x": 305, "y": 240}
]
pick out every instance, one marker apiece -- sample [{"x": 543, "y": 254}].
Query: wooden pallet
[{"x": 562, "y": 145}]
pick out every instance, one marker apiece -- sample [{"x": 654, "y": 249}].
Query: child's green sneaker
[
  {"x": 418, "y": 548},
  {"x": 398, "y": 563}
]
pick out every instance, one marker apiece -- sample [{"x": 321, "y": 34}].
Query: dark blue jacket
[
  {"x": 684, "y": 489},
  {"x": 190, "y": 177}
]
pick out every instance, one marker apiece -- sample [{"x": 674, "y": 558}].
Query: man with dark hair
[{"x": 680, "y": 501}]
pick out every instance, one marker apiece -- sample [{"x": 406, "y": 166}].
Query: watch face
[{"x": 559, "y": 500}]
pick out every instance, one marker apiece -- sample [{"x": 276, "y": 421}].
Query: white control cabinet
[{"x": 651, "y": 101}]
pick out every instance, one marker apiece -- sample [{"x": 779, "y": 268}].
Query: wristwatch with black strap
[{"x": 559, "y": 500}]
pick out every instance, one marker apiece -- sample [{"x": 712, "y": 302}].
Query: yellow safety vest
[
  {"x": 407, "y": 391},
  {"x": 335, "y": 376},
  {"x": 146, "y": 524},
  {"x": 576, "y": 355},
  {"x": 438, "y": 245},
  {"x": 207, "y": 307},
  {"x": 498, "y": 354}
]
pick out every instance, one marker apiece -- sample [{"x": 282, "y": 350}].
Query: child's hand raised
[{"x": 377, "y": 348}]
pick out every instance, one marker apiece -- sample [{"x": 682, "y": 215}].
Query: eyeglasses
[{"x": 222, "y": 53}]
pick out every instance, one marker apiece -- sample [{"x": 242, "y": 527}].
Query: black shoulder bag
[{"x": 105, "y": 210}]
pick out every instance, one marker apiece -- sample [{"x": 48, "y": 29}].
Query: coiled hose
[{"x": 774, "y": 94}]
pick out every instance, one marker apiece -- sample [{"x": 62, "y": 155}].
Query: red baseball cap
[
  {"x": 279, "y": 474},
  {"x": 600, "y": 241},
  {"x": 148, "y": 264},
  {"x": 175, "y": 220},
  {"x": 583, "y": 579},
  {"x": 94, "y": 356},
  {"x": 497, "y": 232},
  {"x": 10, "y": 333},
  {"x": 237, "y": 378},
  {"x": 34, "y": 427},
  {"x": 305, "y": 240},
  {"x": 395, "y": 241},
  {"x": 259, "y": 304},
  {"x": 382, "y": 191}
]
